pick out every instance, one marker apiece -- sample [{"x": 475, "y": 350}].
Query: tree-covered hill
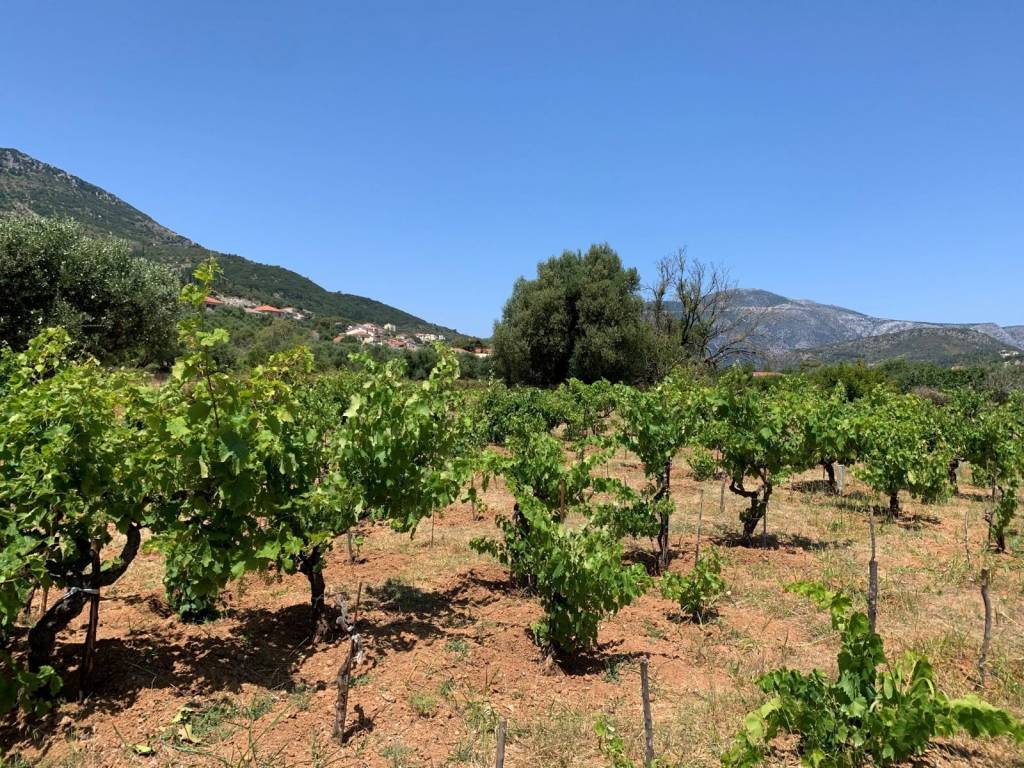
[{"x": 28, "y": 185}]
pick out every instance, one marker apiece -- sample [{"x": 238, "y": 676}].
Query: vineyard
[{"x": 355, "y": 569}]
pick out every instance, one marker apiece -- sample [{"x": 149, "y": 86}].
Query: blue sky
[{"x": 428, "y": 153}]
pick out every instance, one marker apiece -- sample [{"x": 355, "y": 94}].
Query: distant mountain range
[
  {"x": 28, "y": 185},
  {"x": 792, "y": 330}
]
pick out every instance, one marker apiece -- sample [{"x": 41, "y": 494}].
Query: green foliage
[
  {"x": 403, "y": 448},
  {"x": 115, "y": 307},
  {"x": 856, "y": 379},
  {"x": 657, "y": 423},
  {"x": 831, "y": 430},
  {"x": 902, "y": 447},
  {"x": 992, "y": 440},
  {"x": 501, "y": 412},
  {"x": 66, "y": 481},
  {"x": 760, "y": 433},
  {"x": 582, "y": 317},
  {"x": 703, "y": 464},
  {"x": 584, "y": 407},
  {"x": 577, "y": 574},
  {"x": 221, "y": 452},
  {"x": 536, "y": 466},
  {"x": 876, "y": 711},
  {"x": 698, "y": 592}
]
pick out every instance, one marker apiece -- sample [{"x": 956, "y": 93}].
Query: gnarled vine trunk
[
  {"x": 311, "y": 566},
  {"x": 830, "y": 471},
  {"x": 663, "y": 492},
  {"x": 80, "y": 588},
  {"x": 894, "y": 505},
  {"x": 951, "y": 471},
  {"x": 522, "y": 524},
  {"x": 758, "y": 504}
]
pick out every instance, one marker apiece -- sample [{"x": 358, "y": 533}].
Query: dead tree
[{"x": 694, "y": 305}]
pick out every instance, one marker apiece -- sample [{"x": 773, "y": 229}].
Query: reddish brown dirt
[{"x": 448, "y": 651}]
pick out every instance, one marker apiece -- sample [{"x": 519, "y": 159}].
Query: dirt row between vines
[{"x": 448, "y": 651}]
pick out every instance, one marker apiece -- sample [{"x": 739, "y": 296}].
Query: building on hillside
[
  {"x": 429, "y": 338},
  {"x": 389, "y": 328},
  {"x": 212, "y": 302},
  {"x": 266, "y": 309}
]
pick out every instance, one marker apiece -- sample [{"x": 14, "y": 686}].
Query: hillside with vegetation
[
  {"x": 946, "y": 346},
  {"x": 30, "y": 186}
]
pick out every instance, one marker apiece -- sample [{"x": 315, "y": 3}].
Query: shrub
[
  {"x": 876, "y": 711},
  {"x": 699, "y": 591}
]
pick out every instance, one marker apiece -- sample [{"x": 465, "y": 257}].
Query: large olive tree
[
  {"x": 582, "y": 317},
  {"x": 114, "y": 306}
]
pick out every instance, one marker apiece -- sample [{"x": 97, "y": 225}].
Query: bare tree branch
[{"x": 702, "y": 318}]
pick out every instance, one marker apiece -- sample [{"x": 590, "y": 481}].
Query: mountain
[
  {"x": 824, "y": 331},
  {"x": 945, "y": 346},
  {"x": 28, "y": 185}
]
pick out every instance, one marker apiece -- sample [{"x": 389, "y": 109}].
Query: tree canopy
[
  {"x": 582, "y": 317},
  {"x": 114, "y": 306}
]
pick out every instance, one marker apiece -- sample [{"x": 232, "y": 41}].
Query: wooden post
[
  {"x": 967, "y": 541},
  {"x": 89, "y": 650},
  {"x": 721, "y": 500},
  {"x": 872, "y": 577},
  {"x": 348, "y": 543},
  {"x": 842, "y": 478},
  {"x": 499, "y": 760},
  {"x": 700, "y": 520},
  {"x": 341, "y": 705},
  {"x": 353, "y": 657},
  {"x": 986, "y": 639},
  {"x": 645, "y": 693},
  {"x": 431, "y": 529}
]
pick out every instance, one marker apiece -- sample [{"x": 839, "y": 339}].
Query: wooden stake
[
  {"x": 721, "y": 500},
  {"x": 432, "y": 529},
  {"x": 499, "y": 760},
  {"x": 341, "y": 705},
  {"x": 872, "y": 577},
  {"x": 348, "y": 542},
  {"x": 967, "y": 544},
  {"x": 700, "y": 520},
  {"x": 986, "y": 639},
  {"x": 89, "y": 650},
  {"x": 645, "y": 693},
  {"x": 353, "y": 657}
]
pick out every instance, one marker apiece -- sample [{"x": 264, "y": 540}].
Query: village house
[{"x": 266, "y": 309}]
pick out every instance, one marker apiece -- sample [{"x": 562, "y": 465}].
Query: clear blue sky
[{"x": 428, "y": 153}]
